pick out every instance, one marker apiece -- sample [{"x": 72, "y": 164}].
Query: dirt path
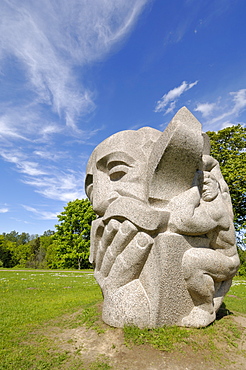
[{"x": 109, "y": 347}]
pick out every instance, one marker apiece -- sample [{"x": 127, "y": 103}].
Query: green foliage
[
  {"x": 17, "y": 238},
  {"x": 72, "y": 238},
  {"x": 241, "y": 243},
  {"x": 31, "y": 254},
  {"x": 228, "y": 146},
  {"x": 6, "y": 252},
  {"x": 21, "y": 254},
  {"x": 242, "y": 256},
  {"x": 68, "y": 247},
  {"x": 48, "y": 233}
]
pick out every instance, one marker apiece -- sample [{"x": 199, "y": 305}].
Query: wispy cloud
[
  {"x": 42, "y": 44},
  {"x": 225, "y": 111},
  {"x": 49, "y": 38},
  {"x": 63, "y": 186},
  {"x": 239, "y": 99},
  {"x": 205, "y": 108},
  {"x": 27, "y": 122},
  {"x": 4, "y": 210},
  {"x": 23, "y": 165},
  {"x": 168, "y": 101},
  {"x": 43, "y": 215},
  {"x": 53, "y": 156},
  {"x": 191, "y": 10}
]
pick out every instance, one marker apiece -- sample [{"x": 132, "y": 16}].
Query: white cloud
[
  {"x": 168, "y": 101},
  {"x": 43, "y": 42},
  {"x": 26, "y": 122},
  {"x": 227, "y": 124},
  {"x": 205, "y": 108},
  {"x": 6, "y": 131},
  {"x": 225, "y": 111},
  {"x": 49, "y": 38},
  {"x": 4, "y": 210},
  {"x": 239, "y": 99},
  {"x": 31, "y": 168},
  {"x": 44, "y": 215},
  {"x": 58, "y": 184},
  {"x": 66, "y": 186},
  {"x": 22, "y": 165},
  {"x": 53, "y": 156}
]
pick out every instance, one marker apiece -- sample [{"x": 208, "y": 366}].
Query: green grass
[
  {"x": 35, "y": 301},
  {"x": 162, "y": 338},
  {"x": 167, "y": 338},
  {"x": 235, "y": 300},
  {"x": 28, "y": 301}
]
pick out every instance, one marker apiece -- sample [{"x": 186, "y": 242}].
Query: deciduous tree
[
  {"x": 228, "y": 146},
  {"x": 72, "y": 238}
]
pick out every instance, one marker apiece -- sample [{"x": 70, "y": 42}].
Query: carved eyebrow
[
  {"x": 112, "y": 164},
  {"x": 107, "y": 162}
]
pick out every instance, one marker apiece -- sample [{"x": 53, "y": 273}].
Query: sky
[{"x": 74, "y": 72}]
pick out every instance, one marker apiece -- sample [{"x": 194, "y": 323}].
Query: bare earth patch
[{"x": 109, "y": 347}]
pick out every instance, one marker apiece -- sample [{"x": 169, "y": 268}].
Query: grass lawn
[
  {"x": 32, "y": 301},
  {"x": 235, "y": 300},
  {"x": 29, "y": 299}
]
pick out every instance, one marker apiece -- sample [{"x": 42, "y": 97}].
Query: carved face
[
  {"x": 118, "y": 167},
  {"x": 210, "y": 188}
]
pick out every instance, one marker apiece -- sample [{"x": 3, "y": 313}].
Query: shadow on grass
[{"x": 223, "y": 311}]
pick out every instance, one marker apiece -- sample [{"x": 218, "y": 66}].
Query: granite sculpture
[{"x": 163, "y": 245}]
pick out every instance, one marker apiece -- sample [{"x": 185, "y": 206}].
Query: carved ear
[{"x": 175, "y": 158}]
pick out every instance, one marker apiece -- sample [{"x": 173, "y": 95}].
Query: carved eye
[
  {"x": 117, "y": 169},
  {"x": 89, "y": 186}
]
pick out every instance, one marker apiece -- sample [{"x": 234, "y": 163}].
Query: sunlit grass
[
  {"x": 29, "y": 299},
  {"x": 32, "y": 301},
  {"x": 235, "y": 300}
]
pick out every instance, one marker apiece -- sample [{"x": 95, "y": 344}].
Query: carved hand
[{"x": 120, "y": 254}]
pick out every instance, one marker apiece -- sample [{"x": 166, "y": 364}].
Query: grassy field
[
  {"x": 28, "y": 301},
  {"x": 32, "y": 301},
  {"x": 235, "y": 300}
]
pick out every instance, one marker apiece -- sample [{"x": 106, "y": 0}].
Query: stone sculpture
[{"x": 163, "y": 245}]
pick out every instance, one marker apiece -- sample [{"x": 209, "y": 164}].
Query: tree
[
  {"x": 21, "y": 254},
  {"x": 228, "y": 146},
  {"x": 6, "y": 254},
  {"x": 72, "y": 238},
  {"x": 17, "y": 238},
  {"x": 48, "y": 233}
]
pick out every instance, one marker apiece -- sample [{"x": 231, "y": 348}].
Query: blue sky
[{"x": 74, "y": 72}]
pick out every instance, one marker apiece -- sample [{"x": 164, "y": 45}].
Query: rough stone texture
[{"x": 163, "y": 246}]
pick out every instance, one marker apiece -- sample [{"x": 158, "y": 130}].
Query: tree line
[{"x": 68, "y": 246}]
